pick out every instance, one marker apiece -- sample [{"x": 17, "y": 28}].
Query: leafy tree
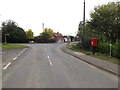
[
  {"x": 105, "y": 20},
  {"x": 46, "y": 35},
  {"x": 104, "y": 25},
  {"x": 49, "y": 32},
  {"x": 29, "y": 34},
  {"x": 16, "y": 34}
]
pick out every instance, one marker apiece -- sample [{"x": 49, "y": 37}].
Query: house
[{"x": 58, "y": 37}]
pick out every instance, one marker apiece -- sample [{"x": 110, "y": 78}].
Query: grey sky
[{"x": 60, "y": 15}]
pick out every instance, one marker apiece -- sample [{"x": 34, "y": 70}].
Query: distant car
[{"x": 31, "y": 42}]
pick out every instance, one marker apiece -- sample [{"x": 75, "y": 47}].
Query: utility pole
[
  {"x": 43, "y": 26},
  {"x": 83, "y": 35},
  {"x": 84, "y": 17}
]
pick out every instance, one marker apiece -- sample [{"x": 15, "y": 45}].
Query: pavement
[
  {"x": 47, "y": 66},
  {"x": 101, "y": 64}
]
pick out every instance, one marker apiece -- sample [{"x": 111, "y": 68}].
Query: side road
[
  {"x": 9, "y": 55},
  {"x": 101, "y": 64}
]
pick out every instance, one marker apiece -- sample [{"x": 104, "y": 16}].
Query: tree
[
  {"x": 29, "y": 34},
  {"x": 46, "y": 35},
  {"x": 105, "y": 21},
  {"x": 16, "y": 34},
  {"x": 49, "y": 32}
]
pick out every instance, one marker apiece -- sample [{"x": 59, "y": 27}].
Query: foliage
[
  {"x": 104, "y": 24},
  {"x": 104, "y": 47},
  {"x": 105, "y": 21},
  {"x": 29, "y": 34},
  {"x": 116, "y": 50},
  {"x": 16, "y": 34},
  {"x": 49, "y": 32},
  {"x": 46, "y": 35}
]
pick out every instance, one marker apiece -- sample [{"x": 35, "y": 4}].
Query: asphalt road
[{"x": 46, "y": 66}]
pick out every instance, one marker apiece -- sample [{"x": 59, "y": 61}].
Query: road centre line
[
  {"x": 50, "y": 61},
  {"x": 6, "y": 66},
  {"x": 15, "y": 58},
  {"x": 19, "y": 55},
  {"x": 23, "y": 50}
]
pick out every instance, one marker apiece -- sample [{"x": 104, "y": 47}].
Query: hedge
[{"x": 105, "y": 48}]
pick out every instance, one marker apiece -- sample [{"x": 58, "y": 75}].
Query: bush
[
  {"x": 116, "y": 50},
  {"x": 103, "y": 47},
  {"x": 86, "y": 44}
]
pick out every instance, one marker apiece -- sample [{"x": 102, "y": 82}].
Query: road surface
[{"x": 46, "y": 66}]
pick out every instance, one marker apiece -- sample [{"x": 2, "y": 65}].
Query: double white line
[{"x": 14, "y": 59}]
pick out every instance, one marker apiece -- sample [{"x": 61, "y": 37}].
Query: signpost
[{"x": 5, "y": 37}]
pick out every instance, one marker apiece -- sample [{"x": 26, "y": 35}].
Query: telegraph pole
[
  {"x": 83, "y": 36},
  {"x": 84, "y": 17}
]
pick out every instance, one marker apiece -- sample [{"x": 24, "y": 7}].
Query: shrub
[
  {"x": 86, "y": 43},
  {"x": 103, "y": 47},
  {"x": 116, "y": 50}
]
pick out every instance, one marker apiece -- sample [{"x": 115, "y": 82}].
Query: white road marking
[
  {"x": 24, "y": 49},
  {"x": 50, "y": 61},
  {"x": 6, "y": 66},
  {"x": 19, "y": 55},
  {"x": 48, "y": 57},
  {"x": 21, "y": 52},
  {"x": 15, "y": 58}
]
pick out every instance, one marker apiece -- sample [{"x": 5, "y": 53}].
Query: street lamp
[{"x": 5, "y": 37}]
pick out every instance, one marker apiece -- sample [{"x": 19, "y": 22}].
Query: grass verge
[
  {"x": 97, "y": 55},
  {"x": 12, "y": 46}
]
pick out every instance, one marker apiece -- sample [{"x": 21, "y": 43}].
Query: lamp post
[{"x": 5, "y": 37}]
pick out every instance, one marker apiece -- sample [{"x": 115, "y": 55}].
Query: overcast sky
[{"x": 60, "y": 15}]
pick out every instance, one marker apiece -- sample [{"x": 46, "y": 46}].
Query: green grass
[
  {"x": 97, "y": 55},
  {"x": 12, "y": 46}
]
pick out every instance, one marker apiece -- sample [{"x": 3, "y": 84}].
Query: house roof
[{"x": 58, "y": 34}]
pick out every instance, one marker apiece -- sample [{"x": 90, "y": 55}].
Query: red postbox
[{"x": 94, "y": 42}]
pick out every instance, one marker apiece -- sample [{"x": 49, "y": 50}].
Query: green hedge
[
  {"x": 105, "y": 48},
  {"x": 116, "y": 50}
]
